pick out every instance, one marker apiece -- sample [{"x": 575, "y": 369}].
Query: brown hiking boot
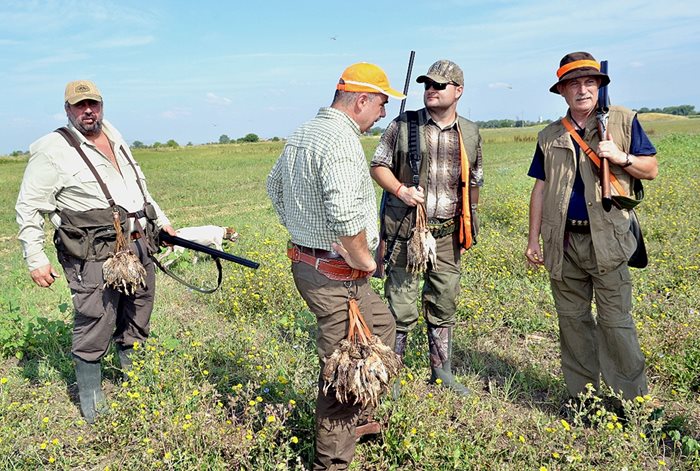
[{"x": 368, "y": 428}]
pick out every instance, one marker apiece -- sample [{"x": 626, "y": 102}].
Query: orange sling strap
[
  {"x": 465, "y": 220},
  {"x": 591, "y": 154}
]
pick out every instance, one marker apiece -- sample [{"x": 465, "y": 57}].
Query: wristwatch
[{"x": 628, "y": 162}]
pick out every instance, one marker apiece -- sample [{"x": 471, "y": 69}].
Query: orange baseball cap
[{"x": 365, "y": 77}]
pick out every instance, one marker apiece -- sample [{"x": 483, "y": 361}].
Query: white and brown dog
[{"x": 211, "y": 236}]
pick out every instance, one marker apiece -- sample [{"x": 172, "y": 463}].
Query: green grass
[{"x": 228, "y": 380}]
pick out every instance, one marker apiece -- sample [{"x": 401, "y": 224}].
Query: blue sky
[{"x": 194, "y": 70}]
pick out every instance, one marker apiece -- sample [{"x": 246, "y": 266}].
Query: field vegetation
[{"x": 228, "y": 381}]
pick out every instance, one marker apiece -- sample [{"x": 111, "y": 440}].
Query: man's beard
[{"x": 93, "y": 129}]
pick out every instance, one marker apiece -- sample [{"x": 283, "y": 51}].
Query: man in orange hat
[
  {"x": 322, "y": 192},
  {"x": 430, "y": 158},
  {"x": 586, "y": 249}
]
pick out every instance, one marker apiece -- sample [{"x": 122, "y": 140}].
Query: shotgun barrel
[
  {"x": 602, "y": 116},
  {"x": 188, "y": 244},
  {"x": 381, "y": 248}
]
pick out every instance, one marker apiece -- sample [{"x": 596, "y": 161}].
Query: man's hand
[
  {"x": 411, "y": 196},
  {"x": 607, "y": 149},
  {"x": 168, "y": 230},
  {"x": 44, "y": 276},
  {"x": 367, "y": 264},
  {"x": 533, "y": 254}
]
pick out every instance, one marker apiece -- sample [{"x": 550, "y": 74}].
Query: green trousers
[
  {"x": 440, "y": 287},
  {"x": 606, "y": 345}
]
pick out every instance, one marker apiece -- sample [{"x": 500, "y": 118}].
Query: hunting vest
[
  {"x": 91, "y": 235},
  {"x": 399, "y": 218},
  {"x": 610, "y": 231}
]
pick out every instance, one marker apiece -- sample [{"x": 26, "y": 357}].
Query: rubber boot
[
  {"x": 125, "y": 357},
  {"x": 400, "y": 349},
  {"x": 89, "y": 377},
  {"x": 440, "y": 345}
]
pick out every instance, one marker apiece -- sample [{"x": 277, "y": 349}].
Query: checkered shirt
[{"x": 320, "y": 186}]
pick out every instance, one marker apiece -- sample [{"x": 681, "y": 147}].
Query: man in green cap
[{"x": 429, "y": 161}]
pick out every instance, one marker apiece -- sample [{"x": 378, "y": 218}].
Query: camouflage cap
[
  {"x": 80, "y": 90},
  {"x": 443, "y": 71}
]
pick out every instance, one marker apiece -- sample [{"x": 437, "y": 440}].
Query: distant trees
[
  {"x": 138, "y": 145},
  {"x": 681, "y": 110},
  {"x": 172, "y": 144},
  {"x": 250, "y": 137},
  {"x": 224, "y": 139}
]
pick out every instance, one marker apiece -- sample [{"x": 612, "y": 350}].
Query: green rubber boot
[
  {"x": 125, "y": 357},
  {"x": 89, "y": 377},
  {"x": 440, "y": 345}
]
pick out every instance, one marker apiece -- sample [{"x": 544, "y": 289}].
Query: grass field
[{"x": 228, "y": 380}]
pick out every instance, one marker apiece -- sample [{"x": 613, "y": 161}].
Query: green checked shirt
[{"x": 320, "y": 186}]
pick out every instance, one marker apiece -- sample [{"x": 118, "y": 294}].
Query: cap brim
[
  {"x": 390, "y": 92},
  {"x": 78, "y": 99},
  {"x": 604, "y": 79}
]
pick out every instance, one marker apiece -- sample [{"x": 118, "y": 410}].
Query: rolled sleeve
[
  {"x": 384, "y": 154},
  {"x": 36, "y": 198}
]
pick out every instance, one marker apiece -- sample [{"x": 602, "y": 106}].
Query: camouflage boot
[
  {"x": 89, "y": 377},
  {"x": 400, "y": 349},
  {"x": 440, "y": 345}
]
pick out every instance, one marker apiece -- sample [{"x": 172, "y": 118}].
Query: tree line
[{"x": 681, "y": 110}]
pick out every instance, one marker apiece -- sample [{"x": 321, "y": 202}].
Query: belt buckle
[{"x": 318, "y": 260}]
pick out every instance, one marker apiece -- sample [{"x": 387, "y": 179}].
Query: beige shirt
[{"x": 57, "y": 178}]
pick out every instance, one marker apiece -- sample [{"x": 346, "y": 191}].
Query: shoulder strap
[
  {"x": 136, "y": 174},
  {"x": 414, "y": 157},
  {"x": 591, "y": 153},
  {"x": 73, "y": 142}
]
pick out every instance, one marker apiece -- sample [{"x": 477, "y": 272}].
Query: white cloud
[
  {"x": 218, "y": 100},
  {"x": 176, "y": 113},
  {"x": 500, "y": 85},
  {"x": 51, "y": 61},
  {"x": 129, "y": 41}
]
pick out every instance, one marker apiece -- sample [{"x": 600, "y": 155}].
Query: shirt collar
[
  {"x": 429, "y": 119},
  {"x": 332, "y": 113}
]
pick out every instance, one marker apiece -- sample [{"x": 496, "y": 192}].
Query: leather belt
[
  {"x": 333, "y": 268},
  {"x": 579, "y": 226}
]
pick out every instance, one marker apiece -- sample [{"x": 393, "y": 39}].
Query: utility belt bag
[
  {"x": 443, "y": 229},
  {"x": 90, "y": 235}
]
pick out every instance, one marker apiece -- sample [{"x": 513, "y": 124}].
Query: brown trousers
[
  {"x": 606, "y": 345},
  {"x": 103, "y": 314},
  {"x": 328, "y": 300}
]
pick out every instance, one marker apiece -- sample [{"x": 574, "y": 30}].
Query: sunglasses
[{"x": 436, "y": 86}]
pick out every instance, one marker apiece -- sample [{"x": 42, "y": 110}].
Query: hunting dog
[{"x": 211, "y": 236}]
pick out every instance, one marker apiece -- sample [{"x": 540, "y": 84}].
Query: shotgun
[
  {"x": 188, "y": 244},
  {"x": 381, "y": 248},
  {"x": 602, "y": 117}
]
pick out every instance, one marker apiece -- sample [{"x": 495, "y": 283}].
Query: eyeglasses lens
[{"x": 435, "y": 85}]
